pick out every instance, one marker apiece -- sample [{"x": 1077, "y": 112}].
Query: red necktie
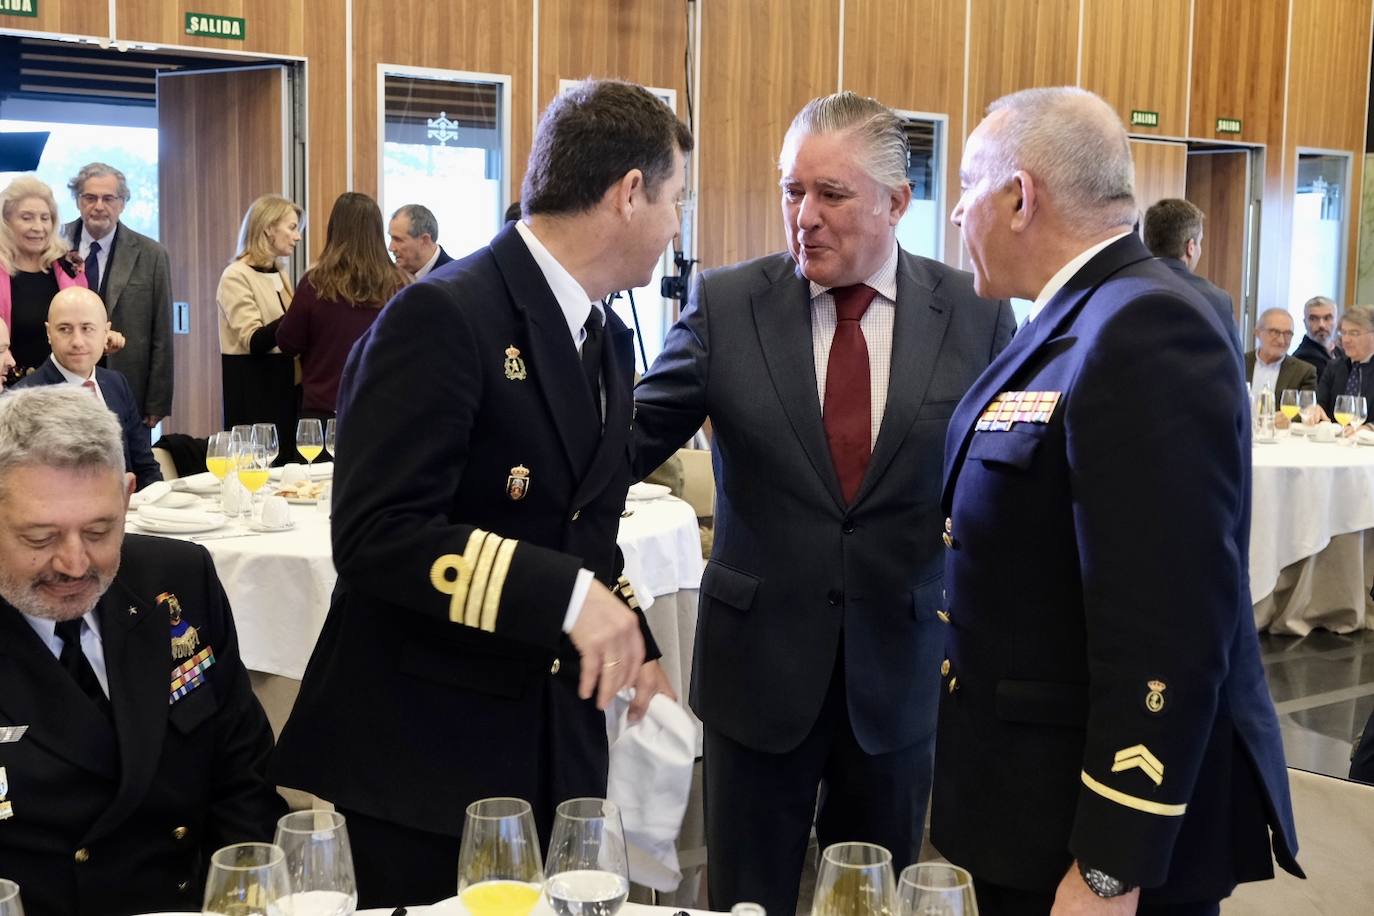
[
  {"x": 848, "y": 393},
  {"x": 89, "y": 385}
]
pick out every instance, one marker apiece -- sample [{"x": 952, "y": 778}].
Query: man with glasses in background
[
  {"x": 1269, "y": 365},
  {"x": 130, "y": 272},
  {"x": 1352, "y": 373}
]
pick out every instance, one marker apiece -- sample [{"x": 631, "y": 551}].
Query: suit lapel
[
  {"x": 919, "y": 324},
  {"x": 617, "y": 368},
  {"x": 119, "y": 267},
  {"x": 138, "y": 661},
  {"x": 552, "y": 361},
  {"x": 782, "y": 314},
  {"x": 35, "y": 691}
]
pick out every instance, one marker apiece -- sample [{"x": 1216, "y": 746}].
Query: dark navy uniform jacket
[
  {"x": 473, "y": 480},
  {"x": 122, "y": 818},
  {"x": 1103, "y": 697}
]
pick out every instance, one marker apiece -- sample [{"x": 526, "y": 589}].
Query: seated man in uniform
[{"x": 131, "y": 745}]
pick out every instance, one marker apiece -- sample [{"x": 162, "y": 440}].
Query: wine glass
[
  {"x": 266, "y": 434},
  {"x": 1359, "y": 411},
  {"x": 588, "y": 869},
  {"x": 1345, "y": 410},
  {"x": 331, "y": 436},
  {"x": 936, "y": 889},
  {"x": 309, "y": 442},
  {"x": 10, "y": 904},
  {"x": 855, "y": 879},
  {"x": 246, "y": 879},
  {"x": 1307, "y": 407},
  {"x": 252, "y": 467},
  {"x": 499, "y": 867},
  {"x": 242, "y": 433},
  {"x": 1288, "y": 404},
  {"x": 319, "y": 863},
  {"x": 217, "y": 455}
]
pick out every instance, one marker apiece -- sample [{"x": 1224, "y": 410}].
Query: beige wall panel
[
  {"x": 1239, "y": 50},
  {"x": 1216, "y": 184},
  {"x": 760, "y": 62},
  {"x": 643, "y": 41},
  {"x": 1161, "y": 170},
  {"x": 1135, "y": 55},
  {"x": 326, "y": 78},
  {"x": 74, "y": 17},
  {"x": 273, "y": 26},
  {"x": 1017, "y": 44},
  {"x": 484, "y": 36}
]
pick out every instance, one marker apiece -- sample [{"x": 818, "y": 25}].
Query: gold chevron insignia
[{"x": 1139, "y": 757}]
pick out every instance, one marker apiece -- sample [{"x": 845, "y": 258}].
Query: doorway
[{"x": 1225, "y": 182}]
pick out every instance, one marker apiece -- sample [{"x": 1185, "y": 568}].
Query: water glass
[
  {"x": 319, "y": 863},
  {"x": 267, "y": 437},
  {"x": 331, "y": 436},
  {"x": 936, "y": 889},
  {"x": 588, "y": 866},
  {"x": 247, "y": 879},
  {"x": 10, "y": 904},
  {"x": 855, "y": 879}
]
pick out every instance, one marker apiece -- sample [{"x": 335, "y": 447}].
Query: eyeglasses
[
  {"x": 1345, "y": 333},
  {"x": 1277, "y": 334},
  {"x": 91, "y": 200}
]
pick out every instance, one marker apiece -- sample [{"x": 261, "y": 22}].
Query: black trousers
[
  {"x": 1005, "y": 901},
  {"x": 760, "y": 806},
  {"x": 400, "y": 866}
]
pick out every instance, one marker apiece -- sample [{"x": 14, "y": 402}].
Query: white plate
[
  {"x": 177, "y": 500},
  {"x": 156, "y": 526},
  {"x": 260, "y": 528},
  {"x": 643, "y": 492}
]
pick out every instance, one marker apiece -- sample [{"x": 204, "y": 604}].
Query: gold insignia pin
[
  {"x": 515, "y": 366},
  {"x": 518, "y": 483},
  {"x": 1138, "y": 757},
  {"x": 1154, "y": 700},
  {"x": 184, "y": 636},
  {"x": 132, "y": 610}
]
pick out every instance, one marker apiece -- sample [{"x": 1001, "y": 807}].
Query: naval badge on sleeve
[
  {"x": 184, "y": 636},
  {"x": 518, "y": 483},
  {"x": 515, "y": 366}
]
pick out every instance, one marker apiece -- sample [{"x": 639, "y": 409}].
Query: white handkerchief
[
  {"x": 150, "y": 494},
  {"x": 11, "y": 733}
]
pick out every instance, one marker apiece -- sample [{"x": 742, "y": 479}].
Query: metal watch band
[{"x": 1103, "y": 884}]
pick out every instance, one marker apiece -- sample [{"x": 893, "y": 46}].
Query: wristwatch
[{"x": 1103, "y": 884}]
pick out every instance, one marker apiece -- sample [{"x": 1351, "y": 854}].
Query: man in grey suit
[
  {"x": 1173, "y": 233},
  {"x": 130, "y": 272},
  {"x": 829, "y": 373}
]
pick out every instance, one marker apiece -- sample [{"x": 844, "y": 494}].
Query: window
[
  {"x": 922, "y": 229},
  {"x": 1318, "y": 243}
]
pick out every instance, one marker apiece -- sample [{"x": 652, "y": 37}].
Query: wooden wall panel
[
  {"x": 327, "y": 141},
  {"x": 1135, "y": 55},
  {"x": 760, "y": 63},
  {"x": 1239, "y": 60},
  {"x": 1161, "y": 170},
  {"x": 931, "y": 81},
  {"x": 1018, "y": 44},
  {"x": 483, "y": 36},
  {"x": 273, "y": 26},
  {"x": 72, "y": 17},
  {"x": 1217, "y": 186},
  {"x": 643, "y": 41}
]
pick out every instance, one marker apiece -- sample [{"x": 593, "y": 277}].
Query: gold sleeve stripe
[
  {"x": 480, "y": 576},
  {"x": 461, "y": 566},
  {"x": 1130, "y": 801},
  {"x": 491, "y": 604},
  {"x": 1139, "y": 757}
]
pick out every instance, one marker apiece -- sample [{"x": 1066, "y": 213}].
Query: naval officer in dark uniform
[
  {"x": 1106, "y": 741},
  {"x": 131, "y": 745},
  {"x": 484, "y": 434}
]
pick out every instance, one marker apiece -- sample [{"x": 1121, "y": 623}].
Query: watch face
[{"x": 1103, "y": 884}]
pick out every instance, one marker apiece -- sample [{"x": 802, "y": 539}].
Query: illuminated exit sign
[{"x": 211, "y": 26}]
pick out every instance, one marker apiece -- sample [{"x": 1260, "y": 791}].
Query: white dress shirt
[
  {"x": 1266, "y": 375},
  {"x": 876, "y": 325},
  {"x": 91, "y": 644},
  {"x": 74, "y": 379},
  {"x": 429, "y": 265},
  {"x": 1066, "y": 274},
  {"x": 102, "y": 257}
]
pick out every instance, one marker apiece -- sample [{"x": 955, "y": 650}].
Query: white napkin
[
  {"x": 324, "y": 470},
  {"x": 179, "y": 518},
  {"x": 650, "y": 779},
  {"x": 204, "y": 482},
  {"x": 1365, "y": 436},
  {"x": 644, "y": 492},
  {"x": 150, "y": 494}
]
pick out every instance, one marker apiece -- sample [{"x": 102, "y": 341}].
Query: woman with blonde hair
[
  {"x": 254, "y": 294},
  {"x": 339, "y": 299},
  {"x": 35, "y": 262}
]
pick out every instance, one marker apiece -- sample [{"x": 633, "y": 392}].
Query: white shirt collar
[
  {"x": 884, "y": 279},
  {"x": 1066, "y": 273},
  {"x": 104, "y": 240},
  {"x": 1264, "y": 362},
  {"x": 429, "y": 265},
  {"x": 572, "y": 298},
  {"x": 71, "y": 377},
  {"x": 46, "y": 628}
]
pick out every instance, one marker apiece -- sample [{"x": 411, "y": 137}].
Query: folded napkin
[
  {"x": 197, "y": 483},
  {"x": 647, "y": 491},
  {"x": 187, "y": 518},
  {"x": 322, "y": 471},
  {"x": 1365, "y": 437},
  {"x": 650, "y": 779},
  {"x": 150, "y": 494}
]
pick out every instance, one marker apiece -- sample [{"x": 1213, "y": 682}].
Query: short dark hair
[
  {"x": 1169, "y": 224},
  {"x": 590, "y": 137}
]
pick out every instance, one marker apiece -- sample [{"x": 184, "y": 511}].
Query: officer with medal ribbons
[
  {"x": 131, "y": 744},
  {"x": 1106, "y": 740},
  {"x": 484, "y": 457}
]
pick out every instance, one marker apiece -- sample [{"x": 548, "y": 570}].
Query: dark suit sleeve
[
  {"x": 158, "y": 397},
  {"x": 409, "y": 400},
  {"x": 1162, "y": 534},
  {"x": 142, "y": 464},
  {"x": 244, "y": 805},
  {"x": 670, "y": 401},
  {"x": 1326, "y": 386}
]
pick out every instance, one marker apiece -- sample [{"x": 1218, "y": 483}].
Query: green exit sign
[
  {"x": 1144, "y": 118},
  {"x": 212, "y": 26},
  {"x": 1228, "y": 125},
  {"x": 18, "y": 7}
]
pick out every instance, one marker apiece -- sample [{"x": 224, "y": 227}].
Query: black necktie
[
  {"x": 93, "y": 268},
  {"x": 1352, "y": 381},
  {"x": 591, "y": 355},
  {"x": 79, "y": 667}
]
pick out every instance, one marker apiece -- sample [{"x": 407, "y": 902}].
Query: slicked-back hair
[
  {"x": 421, "y": 220},
  {"x": 57, "y": 426},
  {"x": 590, "y": 137},
  {"x": 1169, "y": 225},
  {"x": 1083, "y": 162},
  {"x": 879, "y": 133},
  {"x": 98, "y": 170},
  {"x": 1361, "y": 316}
]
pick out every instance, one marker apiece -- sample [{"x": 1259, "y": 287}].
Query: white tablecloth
[{"x": 279, "y": 585}]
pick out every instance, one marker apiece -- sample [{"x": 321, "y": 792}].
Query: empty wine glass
[
  {"x": 331, "y": 435},
  {"x": 1359, "y": 411},
  {"x": 309, "y": 442},
  {"x": 246, "y": 879},
  {"x": 499, "y": 867},
  {"x": 319, "y": 863},
  {"x": 588, "y": 868},
  {"x": 267, "y": 437},
  {"x": 936, "y": 889},
  {"x": 242, "y": 433},
  {"x": 1307, "y": 407},
  {"x": 855, "y": 879},
  {"x": 10, "y": 904}
]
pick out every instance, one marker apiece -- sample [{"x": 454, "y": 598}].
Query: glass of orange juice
[
  {"x": 500, "y": 869},
  {"x": 252, "y": 467}
]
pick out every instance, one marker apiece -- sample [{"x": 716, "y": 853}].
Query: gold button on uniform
[
  {"x": 82, "y": 856},
  {"x": 557, "y": 663},
  {"x": 949, "y": 541},
  {"x": 577, "y": 514},
  {"x": 944, "y": 668},
  {"x": 183, "y": 885},
  {"x": 943, "y": 615},
  {"x": 949, "y": 525},
  {"x": 180, "y": 833},
  {"x": 953, "y": 684}
]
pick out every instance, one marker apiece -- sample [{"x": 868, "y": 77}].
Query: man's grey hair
[
  {"x": 1317, "y": 302},
  {"x": 883, "y": 149},
  {"x": 421, "y": 220},
  {"x": 1265, "y": 315},
  {"x": 98, "y": 170},
  {"x": 58, "y": 426},
  {"x": 1075, "y": 148},
  {"x": 1361, "y": 316}
]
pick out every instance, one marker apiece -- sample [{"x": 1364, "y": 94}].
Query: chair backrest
[
  {"x": 165, "y": 462},
  {"x": 1335, "y": 819},
  {"x": 698, "y": 481}
]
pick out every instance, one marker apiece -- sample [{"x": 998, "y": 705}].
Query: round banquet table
[{"x": 1311, "y": 547}]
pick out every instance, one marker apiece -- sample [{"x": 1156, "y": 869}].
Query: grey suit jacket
[
  {"x": 137, "y": 289},
  {"x": 1294, "y": 373},
  {"x": 792, "y": 567}
]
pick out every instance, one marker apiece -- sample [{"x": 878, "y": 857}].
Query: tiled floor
[{"x": 1323, "y": 689}]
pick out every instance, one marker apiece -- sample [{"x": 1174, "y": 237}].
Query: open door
[
  {"x": 223, "y": 140},
  {"x": 1160, "y": 171},
  {"x": 1219, "y": 182}
]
